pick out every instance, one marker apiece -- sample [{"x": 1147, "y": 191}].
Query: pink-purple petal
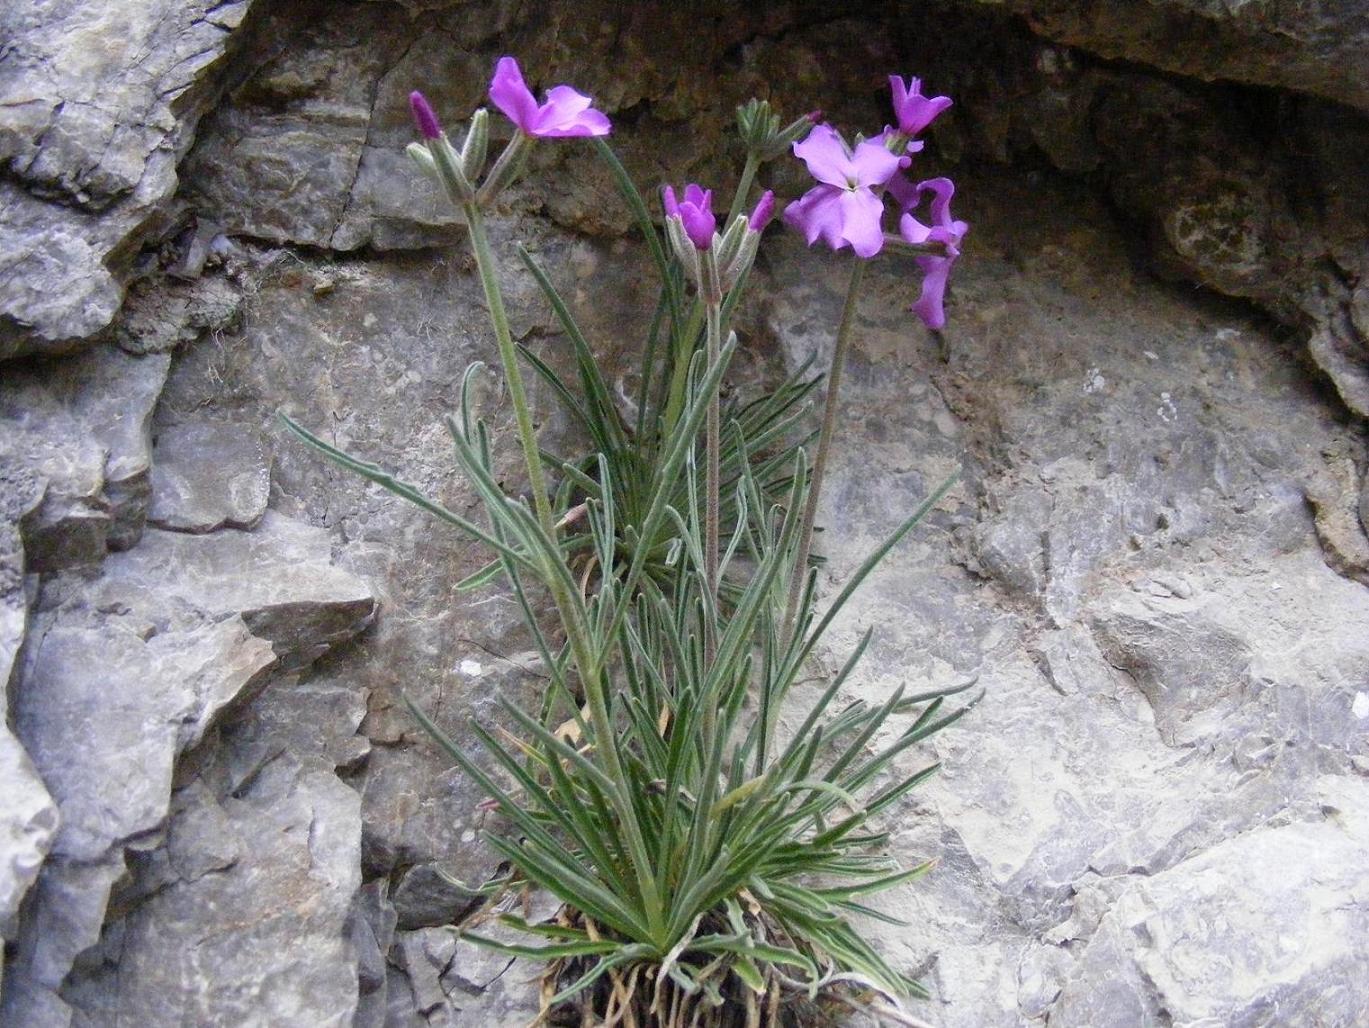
[
  {"x": 511, "y": 95},
  {"x": 874, "y": 165},
  {"x": 913, "y": 231},
  {"x": 913, "y": 110},
  {"x": 861, "y": 211},
  {"x": 826, "y": 155},
  {"x": 699, "y": 224},
  {"x": 817, "y": 214},
  {"x": 765, "y": 208},
  {"x": 930, "y": 306}
]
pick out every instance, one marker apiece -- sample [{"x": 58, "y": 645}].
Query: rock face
[
  {"x": 181, "y": 628},
  {"x": 217, "y": 809},
  {"x": 98, "y": 101},
  {"x": 1319, "y": 47}
]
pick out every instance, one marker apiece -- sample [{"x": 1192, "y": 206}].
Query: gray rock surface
[
  {"x": 98, "y": 101},
  {"x": 209, "y": 475},
  {"x": 28, "y": 817},
  {"x": 1173, "y": 662},
  {"x": 1315, "y": 47},
  {"x": 181, "y": 627},
  {"x": 84, "y": 426},
  {"x": 1155, "y": 559}
]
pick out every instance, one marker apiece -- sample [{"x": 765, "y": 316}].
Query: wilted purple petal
[
  {"x": 760, "y": 217},
  {"x": 944, "y": 228},
  {"x": 428, "y": 125},
  {"x": 913, "y": 110},
  {"x": 930, "y": 306},
  {"x": 913, "y": 231},
  {"x": 668, "y": 201},
  {"x": 905, "y": 194}
]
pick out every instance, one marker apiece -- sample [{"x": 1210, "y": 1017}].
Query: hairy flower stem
[
  {"x": 829, "y": 421},
  {"x": 508, "y": 356},
  {"x": 578, "y": 634},
  {"x": 753, "y": 164},
  {"x": 713, "y": 444}
]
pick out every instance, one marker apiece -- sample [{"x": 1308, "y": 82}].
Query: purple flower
[
  {"x": 760, "y": 217},
  {"x": 843, "y": 208},
  {"x": 424, "y": 116},
  {"x": 913, "y": 110},
  {"x": 945, "y": 230},
  {"x": 695, "y": 212},
  {"x": 566, "y": 112}
]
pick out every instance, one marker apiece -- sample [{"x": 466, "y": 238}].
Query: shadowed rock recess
[{"x": 1154, "y": 381}]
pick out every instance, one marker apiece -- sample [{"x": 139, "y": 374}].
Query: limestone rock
[
  {"x": 260, "y": 940},
  {"x": 1263, "y": 926},
  {"x": 84, "y": 426},
  {"x": 28, "y": 818},
  {"x": 97, "y": 103},
  {"x": 1316, "y": 47},
  {"x": 181, "y": 627},
  {"x": 207, "y": 475}
]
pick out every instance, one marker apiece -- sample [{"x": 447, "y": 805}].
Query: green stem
[
  {"x": 679, "y": 372},
  {"x": 753, "y": 164},
  {"x": 494, "y": 298},
  {"x": 829, "y": 421},
  {"x": 713, "y": 443}
]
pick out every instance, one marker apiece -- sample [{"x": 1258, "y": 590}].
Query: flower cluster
[
  {"x": 847, "y": 206},
  {"x": 566, "y": 113},
  {"x": 713, "y": 261}
]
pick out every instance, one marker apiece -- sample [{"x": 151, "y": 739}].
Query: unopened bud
[
  {"x": 424, "y": 117},
  {"x": 507, "y": 168},
  {"x": 783, "y": 139},
  {"x": 476, "y": 146},
  {"x": 449, "y": 172},
  {"x": 731, "y": 241},
  {"x": 741, "y": 263},
  {"x": 685, "y": 250},
  {"x": 765, "y": 208},
  {"x": 418, "y": 153}
]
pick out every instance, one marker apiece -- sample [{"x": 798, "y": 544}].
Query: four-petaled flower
[
  {"x": 695, "y": 212},
  {"x": 842, "y": 209},
  {"x": 913, "y": 110},
  {"x": 944, "y": 229},
  {"x": 566, "y": 112}
]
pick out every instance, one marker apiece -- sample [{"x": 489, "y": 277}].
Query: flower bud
[
  {"x": 731, "y": 241},
  {"x": 765, "y": 209},
  {"x": 476, "y": 146},
  {"x": 741, "y": 263},
  {"x": 449, "y": 173},
  {"x": 507, "y": 168},
  {"x": 783, "y": 138},
  {"x": 685, "y": 250},
  {"x": 756, "y": 124},
  {"x": 418, "y": 153},
  {"x": 424, "y": 117}
]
